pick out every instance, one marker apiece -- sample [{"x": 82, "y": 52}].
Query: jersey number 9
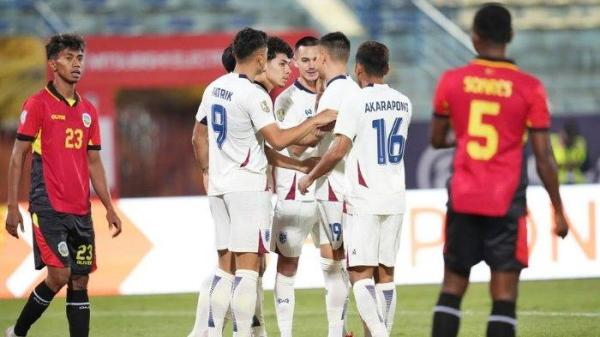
[{"x": 219, "y": 123}]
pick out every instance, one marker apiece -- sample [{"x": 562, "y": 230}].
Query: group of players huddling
[{"x": 336, "y": 148}]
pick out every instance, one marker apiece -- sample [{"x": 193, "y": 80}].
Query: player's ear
[{"x": 52, "y": 64}]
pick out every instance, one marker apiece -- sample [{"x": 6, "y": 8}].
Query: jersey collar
[
  {"x": 260, "y": 85},
  {"x": 299, "y": 85},
  {"x": 244, "y": 76},
  {"x": 339, "y": 77},
  {"x": 51, "y": 89},
  {"x": 495, "y": 62}
]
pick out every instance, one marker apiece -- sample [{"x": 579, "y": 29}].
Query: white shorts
[
  {"x": 292, "y": 222},
  {"x": 371, "y": 240},
  {"x": 242, "y": 221},
  {"x": 331, "y": 222}
]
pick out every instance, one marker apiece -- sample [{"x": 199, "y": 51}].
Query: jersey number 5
[
  {"x": 219, "y": 123},
  {"x": 477, "y": 128},
  {"x": 393, "y": 149}
]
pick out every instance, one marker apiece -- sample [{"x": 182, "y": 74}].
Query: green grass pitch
[{"x": 546, "y": 308}]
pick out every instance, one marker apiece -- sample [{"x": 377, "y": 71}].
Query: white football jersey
[
  {"x": 377, "y": 121},
  {"x": 339, "y": 89},
  {"x": 235, "y": 110},
  {"x": 292, "y": 107}
]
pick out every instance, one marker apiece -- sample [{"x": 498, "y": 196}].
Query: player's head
[
  {"x": 279, "y": 57},
  {"x": 491, "y": 26},
  {"x": 334, "y": 49},
  {"x": 372, "y": 62},
  {"x": 228, "y": 59},
  {"x": 305, "y": 57},
  {"x": 250, "y": 47},
  {"x": 65, "y": 56}
]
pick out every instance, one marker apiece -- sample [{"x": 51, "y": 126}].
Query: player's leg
[
  {"x": 258, "y": 321},
  {"x": 250, "y": 235},
  {"x": 82, "y": 249},
  {"x": 334, "y": 272},
  {"x": 200, "y": 328},
  {"x": 389, "y": 243},
  {"x": 361, "y": 239},
  {"x": 50, "y": 250},
  {"x": 219, "y": 289},
  {"x": 506, "y": 254},
  {"x": 463, "y": 249}
]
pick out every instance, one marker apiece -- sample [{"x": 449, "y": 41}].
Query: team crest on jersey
[
  {"x": 265, "y": 106},
  {"x": 283, "y": 237},
  {"x": 62, "y": 249},
  {"x": 23, "y": 116},
  {"x": 280, "y": 114},
  {"x": 87, "y": 119}
]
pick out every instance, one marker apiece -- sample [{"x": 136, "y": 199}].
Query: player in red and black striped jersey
[
  {"x": 62, "y": 129},
  {"x": 490, "y": 104}
]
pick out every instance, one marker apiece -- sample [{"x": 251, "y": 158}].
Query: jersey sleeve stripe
[
  {"x": 26, "y": 138},
  {"x": 94, "y": 147},
  {"x": 440, "y": 115},
  {"x": 539, "y": 129}
]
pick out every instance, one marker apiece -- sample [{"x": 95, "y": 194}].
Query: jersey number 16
[{"x": 392, "y": 148}]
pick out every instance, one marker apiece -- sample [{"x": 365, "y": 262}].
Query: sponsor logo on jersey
[
  {"x": 23, "y": 116},
  {"x": 267, "y": 235},
  {"x": 58, "y": 117},
  {"x": 308, "y": 112},
  {"x": 87, "y": 119},
  {"x": 265, "y": 106},
  {"x": 63, "y": 250},
  {"x": 283, "y": 237}
]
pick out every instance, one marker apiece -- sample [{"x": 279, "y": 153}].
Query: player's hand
[
  {"x": 113, "y": 222},
  {"x": 304, "y": 183},
  {"x": 308, "y": 164},
  {"x": 561, "y": 226},
  {"x": 318, "y": 133},
  {"x": 14, "y": 220},
  {"x": 325, "y": 117}
]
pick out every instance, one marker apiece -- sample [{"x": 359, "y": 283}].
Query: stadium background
[{"x": 148, "y": 61}]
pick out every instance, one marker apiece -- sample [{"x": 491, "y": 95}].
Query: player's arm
[
  {"x": 279, "y": 160},
  {"x": 15, "y": 172},
  {"x": 310, "y": 140},
  {"x": 200, "y": 144},
  {"x": 440, "y": 132},
  {"x": 340, "y": 147},
  {"x": 547, "y": 171},
  {"x": 98, "y": 178},
  {"x": 279, "y": 138}
]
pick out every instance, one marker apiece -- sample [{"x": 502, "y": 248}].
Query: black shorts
[
  {"x": 64, "y": 241},
  {"x": 499, "y": 241}
]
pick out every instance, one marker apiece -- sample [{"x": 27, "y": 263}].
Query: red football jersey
[
  {"x": 61, "y": 134},
  {"x": 490, "y": 104}
]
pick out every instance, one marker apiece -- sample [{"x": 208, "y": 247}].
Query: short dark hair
[
  {"x": 307, "y": 41},
  {"x": 337, "y": 44},
  {"x": 277, "y": 46},
  {"x": 492, "y": 22},
  {"x": 374, "y": 57},
  {"x": 247, "y": 41},
  {"x": 60, "y": 42},
  {"x": 228, "y": 59}
]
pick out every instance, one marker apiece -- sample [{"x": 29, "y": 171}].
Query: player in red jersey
[
  {"x": 62, "y": 128},
  {"x": 490, "y": 104}
]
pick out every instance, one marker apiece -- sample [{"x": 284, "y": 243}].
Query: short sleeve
[
  {"x": 538, "y": 116},
  {"x": 285, "y": 112},
  {"x": 348, "y": 118},
  {"x": 31, "y": 120},
  {"x": 330, "y": 100},
  {"x": 441, "y": 107},
  {"x": 94, "y": 141},
  {"x": 202, "y": 110},
  {"x": 260, "y": 109}
]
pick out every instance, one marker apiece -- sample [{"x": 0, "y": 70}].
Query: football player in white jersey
[
  {"x": 334, "y": 50},
  {"x": 373, "y": 127},
  {"x": 296, "y": 215},
  {"x": 239, "y": 121}
]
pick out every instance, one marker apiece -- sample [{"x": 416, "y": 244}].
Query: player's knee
[
  {"x": 287, "y": 266},
  {"x": 57, "y": 278},
  {"x": 78, "y": 282}
]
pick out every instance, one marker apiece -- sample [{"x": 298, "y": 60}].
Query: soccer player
[
  {"x": 490, "y": 104},
  {"x": 239, "y": 119},
  {"x": 334, "y": 50},
  {"x": 295, "y": 214},
  {"x": 372, "y": 126},
  {"x": 62, "y": 128}
]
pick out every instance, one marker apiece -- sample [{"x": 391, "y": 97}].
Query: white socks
[
  {"x": 284, "y": 303},
  {"x": 219, "y": 300},
  {"x": 243, "y": 301},
  {"x": 258, "y": 321},
  {"x": 336, "y": 297},
  {"x": 201, "y": 324},
  {"x": 366, "y": 302},
  {"x": 386, "y": 300}
]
